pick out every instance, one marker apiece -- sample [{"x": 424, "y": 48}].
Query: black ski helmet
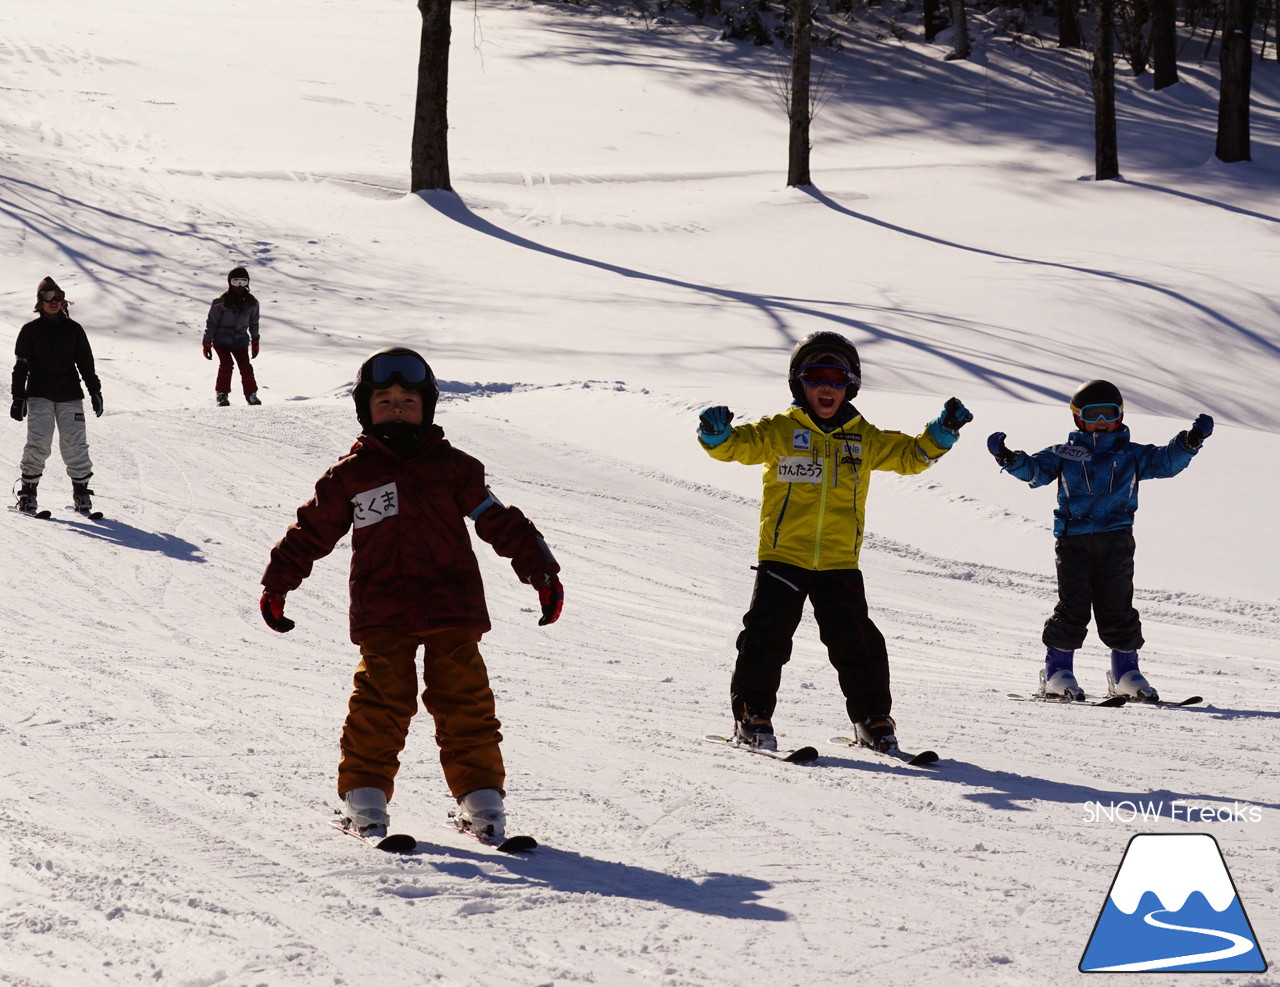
[
  {"x": 395, "y": 365},
  {"x": 815, "y": 344},
  {"x": 1096, "y": 392}
]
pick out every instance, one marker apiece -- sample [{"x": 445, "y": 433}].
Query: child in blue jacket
[{"x": 1097, "y": 471}]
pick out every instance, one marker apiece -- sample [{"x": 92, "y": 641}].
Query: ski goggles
[
  {"x": 239, "y": 282},
  {"x": 408, "y": 367},
  {"x": 1105, "y": 412},
  {"x": 51, "y": 296},
  {"x": 817, "y": 374}
]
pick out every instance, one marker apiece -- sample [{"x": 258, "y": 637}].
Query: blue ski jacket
[{"x": 1097, "y": 475}]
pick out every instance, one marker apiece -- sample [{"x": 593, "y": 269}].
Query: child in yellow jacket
[{"x": 818, "y": 458}]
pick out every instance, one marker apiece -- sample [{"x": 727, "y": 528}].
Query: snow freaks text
[{"x": 1149, "y": 811}]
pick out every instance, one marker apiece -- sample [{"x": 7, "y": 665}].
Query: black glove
[
  {"x": 551, "y": 596},
  {"x": 1197, "y": 433},
  {"x": 95, "y": 399},
  {"x": 18, "y": 410},
  {"x": 272, "y": 607},
  {"x": 1005, "y": 456}
]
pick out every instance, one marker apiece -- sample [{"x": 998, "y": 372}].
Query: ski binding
[
  {"x": 393, "y": 843},
  {"x": 801, "y": 755},
  {"x": 924, "y": 757},
  {"x": 42, "y": 515}
]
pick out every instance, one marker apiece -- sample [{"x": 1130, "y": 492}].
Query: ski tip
[
  {"x": 397, "y": 843},
  {"x": 925, "y": 757},
  {"x": 518, "y": 844},
  {"x": 805, "y": 755}
]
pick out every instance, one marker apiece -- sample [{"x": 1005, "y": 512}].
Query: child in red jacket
[{"x": 404, "y": 492}]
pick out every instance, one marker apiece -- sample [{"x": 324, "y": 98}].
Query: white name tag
[
  {"x": 799, "y": 469},
  {"x": 372, "y": 506}
]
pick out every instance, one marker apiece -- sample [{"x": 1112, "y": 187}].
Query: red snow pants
[{"x": 223, "y": 384}]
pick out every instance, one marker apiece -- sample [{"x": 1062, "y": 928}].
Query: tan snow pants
[{"x": 457, "y": 695}]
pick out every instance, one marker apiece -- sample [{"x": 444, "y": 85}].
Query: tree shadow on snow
[
  {"x": 127, "y": 536},
  {"x": 1005, "y": 790},
  {"x": 726, "y": 895}
]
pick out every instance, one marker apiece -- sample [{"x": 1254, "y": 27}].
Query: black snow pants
[
  {"x": 1095, "y": 571},
  {"x": 854, "y": 645}
]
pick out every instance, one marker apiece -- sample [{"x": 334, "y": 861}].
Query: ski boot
[
  {"x": 877, "y": 732},
  {"x": 81, "y": 496},
  {"x": 224, "y": 399},
  {"x": 365, "y": 810},
  {"x": 1124, "y": 679},
  {"x": 26, "y": 495},
  {"x": 755, "y": 730},
  {"x": 481, "y": 812},
  {"x": 253, "y": 398},
  {"x": 1057, "y": 680}
]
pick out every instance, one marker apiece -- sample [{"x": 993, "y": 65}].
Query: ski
[
  {"x": 802, "y": 755},
  {"x": 42, "y": 515},
  {"x": 1170, "y": 704},
  {"x": 91, "y": 515},
  {"x": 512, "y": 844},
  {"x": 924, "y": 757},
  {"x": 1109, "y": 701},
  {"x": 394, "y": 843}
]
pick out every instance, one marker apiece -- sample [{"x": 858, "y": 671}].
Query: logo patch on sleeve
[{"x": 371, "y": 506}]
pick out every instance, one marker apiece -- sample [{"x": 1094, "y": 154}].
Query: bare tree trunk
[
  {"x": 800, "y": 113},
  {"x": 1069, "y": 35},
  {"x": 933, "y": 22},
  {"x": 960, "y": 22},
  {"x": 1236, "y": 60},
  {"x": 1103, "y": 74},
  {"x": 1164, "y": 43},
  {"x": 429, "y": 165}
]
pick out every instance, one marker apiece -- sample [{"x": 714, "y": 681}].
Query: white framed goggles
[{"x": 239, "y": 282}]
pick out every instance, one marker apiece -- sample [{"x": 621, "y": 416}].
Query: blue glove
[
  {"x": 1197, "y": 433},
  {"x": 1005, "y": 456},
  {"x": 945, "y": 429},
  {"x": 714, "y": 427}
]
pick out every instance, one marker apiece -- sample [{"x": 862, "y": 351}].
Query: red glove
[
  {"x": 272, "y": 607},
  {"x": 551, "y": 596},
  {"x": 208, "y": 351},
  {"x": 253, "y": 348}
]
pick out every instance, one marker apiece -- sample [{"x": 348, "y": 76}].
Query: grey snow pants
[{"x": 67, "y": 417}]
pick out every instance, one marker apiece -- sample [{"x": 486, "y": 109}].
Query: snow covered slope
[{"x": 621, "y": 253}]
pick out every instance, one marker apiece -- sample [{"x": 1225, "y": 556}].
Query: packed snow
[{"x": 621, "y": 252}]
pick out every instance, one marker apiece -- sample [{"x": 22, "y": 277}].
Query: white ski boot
[
  {"x": 1057, "y": 680},
  {"x": 481, "y": 812},
  {"x": 1124, "y": 679},
  {"x": 365, "y": 809}
]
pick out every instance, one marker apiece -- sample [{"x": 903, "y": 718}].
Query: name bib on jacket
[
  {"x": 799, "y": 469},
  {"x": 371, "y": 506}
]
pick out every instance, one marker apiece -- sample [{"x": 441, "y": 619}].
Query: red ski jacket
[{"x": 412, "y": 567}]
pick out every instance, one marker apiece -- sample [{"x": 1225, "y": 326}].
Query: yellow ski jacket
[{"x": 815, "y": 483}]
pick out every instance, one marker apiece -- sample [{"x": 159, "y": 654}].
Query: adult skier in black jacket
[{"x": 53, "y": 356}]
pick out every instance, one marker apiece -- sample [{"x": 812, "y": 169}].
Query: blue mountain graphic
[{"x": 1120, "y": 939}]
